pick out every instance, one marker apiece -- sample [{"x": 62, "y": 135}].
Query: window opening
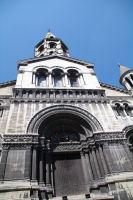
[
  {"x": 57, "y": 77},
  {"x": 131, "y": 76},
  {"x": 57, "y": 81},
  {"x": 129, "y": 82},
  {"x": 41, "y": 48},
  {"x": 51, "y": 52},
  {"x": 1, "y": 112},
  {"x": 73, "y": 81},
  {"x": 41, "y": 77},
  {"x": 42, "y": 81},
  {"x": 52, "y": 45},
  {"x": 119, "y": 110},
  {"x": 128, "y": 110},
  {"x": 73, "y": 78}
]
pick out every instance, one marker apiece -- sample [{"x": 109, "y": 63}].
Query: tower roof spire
[
  {"x": 49, "y": 34},
  {"x": 123, "y": 69},
  {"x": 51, "y": 45}
]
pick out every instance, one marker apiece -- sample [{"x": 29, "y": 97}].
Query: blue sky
[{"x": 97, "y": 31}]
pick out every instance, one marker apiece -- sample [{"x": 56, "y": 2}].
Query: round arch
[{"x": 41, "y": 116}]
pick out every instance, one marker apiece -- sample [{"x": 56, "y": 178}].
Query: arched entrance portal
[
  {"x": 63, "y": 134},
  {"x": 60, "y": 139}
]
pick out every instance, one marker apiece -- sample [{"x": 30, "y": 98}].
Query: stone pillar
[
  {"x": 96, "y": 163},
  {"x": 34, "y": 164},
  {"x": 50, "y": 80},
  {"x": 89, "y": 167},
  {"x": 107, "y": 155},
  {"x": 129, "y": 155},
  {"x": 85, "y": 171},
  {"x": 93, "y": 167},
  {"x": 100, "y": 164},
  {"x": 28, "y": 163},
  {"x": 3, "y": 163},
  {"x": 66, "y": 80},
  {"x": 106, "y": 171},
  {"x": 34, "y": 78},
  {"x": 63, "y": 81},
  {"x": 41, "y": 166},
  {"x": 48, "y": 169}
]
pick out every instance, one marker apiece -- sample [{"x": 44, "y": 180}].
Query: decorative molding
[
  {"x": 42, "y": 115},
  {"x": 67, "y": 147},
  {"x": 20, "y": 139},
  {"x": 58, "y": 95},
  {"x": 27, "y": 141}
]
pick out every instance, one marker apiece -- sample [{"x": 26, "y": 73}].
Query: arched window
[
  {"x": 73, "y": 78},
  {"x": 52, "y": 45},
  {"x": 130, "y": 139},
  {"x": 128, "y": 110},
  {"x": 41, "y": 48},
  {"x": 119, "y": 109},
  {"x": 42, "y": 77},
  {"x": 57, "y": 77}
]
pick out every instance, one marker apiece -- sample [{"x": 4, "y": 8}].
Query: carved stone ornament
[
  {"x": 67, "y": 147},
  {"x": 109, "y": 136},
  {"x": 23, "y": 139}
]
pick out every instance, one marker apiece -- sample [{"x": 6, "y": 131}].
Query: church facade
[{"x": 63, "y": 134}]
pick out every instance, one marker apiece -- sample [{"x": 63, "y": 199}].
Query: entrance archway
[{"x": 62, "y": 166}]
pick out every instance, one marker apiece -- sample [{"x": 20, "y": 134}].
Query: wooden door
[{"x": 68, "y": 175}]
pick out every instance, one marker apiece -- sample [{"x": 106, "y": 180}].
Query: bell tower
[{"x": 51, "y": 45}]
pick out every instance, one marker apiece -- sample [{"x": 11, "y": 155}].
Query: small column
[
  {"x": 27, "y": 174},
  {"x": 41, "y": 166},
  {"x": 129, "y": 154},
  {"x": 94, "y": 171},
  {"x": 63, "y": 81},
  {"x": 100, "y": 164},
  {"x": 34, "y": 164},
  {"x": 107, "y": 155},
  {"x": 84, "y": 167},
  {"x": 48, "y": 169},
  {"x": 103, "y": 160},
  {"x": 33, "y": 78},
  {"x": 50, "y": 80},
  {"x": 66, "y": 80},
  {"x": 89, "y": 167},
  {"x": 3, "y": 163},
  {"x": 96, "y": 163}
]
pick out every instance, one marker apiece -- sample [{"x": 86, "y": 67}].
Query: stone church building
[{"x": 63, "y": 134}]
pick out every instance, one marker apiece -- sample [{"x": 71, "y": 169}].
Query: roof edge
[
  {"x": 8, "y": 83},
  {"x": 26, "y": 61},
  {"x": 114, "y": 87}
]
